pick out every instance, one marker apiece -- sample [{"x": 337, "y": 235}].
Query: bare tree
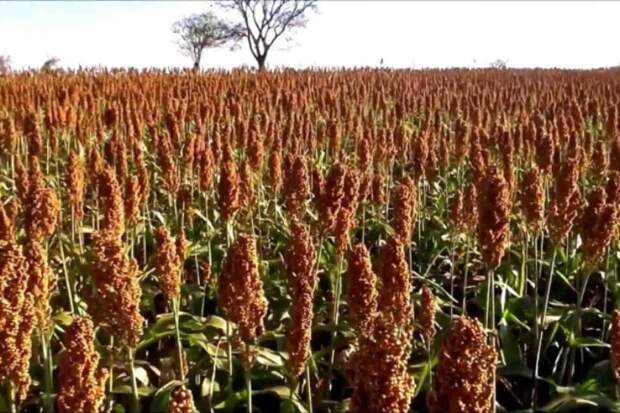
[
  {"x": 50, "y": 64},
  {"x": 499, "y": 64},
  {"x": 202, "y": 31},
  {"x": 264, "y": 21},
  {"x": 5, "y": 64}
]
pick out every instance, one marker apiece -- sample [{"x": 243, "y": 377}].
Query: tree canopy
[{"x": 202, "y": 31}]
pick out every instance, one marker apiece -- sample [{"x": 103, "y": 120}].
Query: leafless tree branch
[{"x": 265, "y": 21}]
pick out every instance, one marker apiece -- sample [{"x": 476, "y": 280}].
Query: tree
[
  {"x": 50, "y": 64},
  {"x": 499, "y": 64},
  {"x": 5, "y": 64},
  {"x": 264, "y": 21},
  {"x": 202, "y": 31}
]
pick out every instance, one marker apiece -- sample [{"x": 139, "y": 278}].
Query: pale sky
[{"x": 342, "y": 33}]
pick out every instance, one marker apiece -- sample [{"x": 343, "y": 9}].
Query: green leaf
[
  {"x": 143, "y": 391},
  {"x": 217, "y": 322},
  {"x": 510, "y": 346},
  {"x": 589, "y": 342},
  {"x": 269, "y": 358},
  {"x": 64, "y": 318}
]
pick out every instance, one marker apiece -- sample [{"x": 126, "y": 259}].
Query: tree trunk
[
  {"x": 261, "y": 60},
  {"x": 196, "y": 66}
]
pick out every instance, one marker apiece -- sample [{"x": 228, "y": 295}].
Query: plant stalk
[
  {"x": 135, "y": 399},
  {"x": 540, "y": 333}
]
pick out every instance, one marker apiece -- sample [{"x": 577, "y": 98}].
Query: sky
[{"x": 342, "y": 33}]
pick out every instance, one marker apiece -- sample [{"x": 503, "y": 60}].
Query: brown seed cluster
[
  {"x": 167, "y": 264},
  {"x": 362, "y": 289},
  {"x": 404, "y": 210},
  {"x": 247, "y": 192},
  {"x": 456, "y": 215},
  {"x": 331, "y": 197},
  {"x": 17, "y": 317},
  {"x": 494, "y": 216},
  {"x": 394, "y": 295},
  {"x": 532, "y": 198},
  {"x": 598, "y": 226},
  {"x": 143, "y": 174},
  {"x": 464, "y": 377},
  {"x": 470, "y": 204},
  {"x": 275, "y": 171},
  {"x": 206, "y": 165},
  {"x": 32, "y": 130},
  {"x": 228, "y": 190},
  {"x": 545, "y": 152},
  {"x": 81, "y": 383},
  {"x": 111, "y": 201},
  {"x": 426, "y": 315},
  {"x": 566, "y": 202},
  {"x": 240, "y": 289},
  {"x": 6, "y": 224},
  {"x": 181, "y": 246},
  {"x": 117, "y": 301},
  {"x": 41, "y": 281},
  {"x": 379, "y": 197},
  {"x": 132, "y": 200},
  {"x": 9, "y": 135},
  {"x": 41, "y": 205},
  {"x": 300, "y": 262},
  {"x": 296, "y": 186},
  {"x": 75, "y": 185},
  {"x": 380, "y": 379},
  {"x": 181, "y": 401},
  {"x": 345, "y": 219}
]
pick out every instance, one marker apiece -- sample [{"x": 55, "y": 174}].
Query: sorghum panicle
[
  {"x": 17, "y": 317},
  {"x": 394, "y": 300},
  {"x": 404, "y": 210},
  {"x": 362, "y": 289},
  {"x": 132, "y": 200},
  {"x": 275, "y": 171},
  {"x": 42, "y": 206},
  {"x": 167, "y": 264},
  {"x": 296, "y": 185},
  {"x": 228, "y": 189},
  {"x": 463, "y": 379},
  {"x": 240, "y": 289},
  {"x": 332, "y": 195},
  {"x": 597, "y": 226},
  {"x": 41, "y": 281},
  {"x": 345, "y": 219},
  {"x": 426, "y": 315},
  {"x": 532, "y": 198},
  {"x": 117, "y": 301},
  {"x": 456, "y": 216},
  {"x": 565, "y": 203},
  {"x": 111, "y": 201},
  {"x": 181, "y": 246},
  {"x": 380, "y": 379},
  {"x": 81, "y": 382},
  {"x": 494, "y": 218},
  {"x": 300, "y": 259}
]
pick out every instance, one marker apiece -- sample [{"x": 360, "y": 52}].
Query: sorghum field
[{"x": 310, "y": 241}]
